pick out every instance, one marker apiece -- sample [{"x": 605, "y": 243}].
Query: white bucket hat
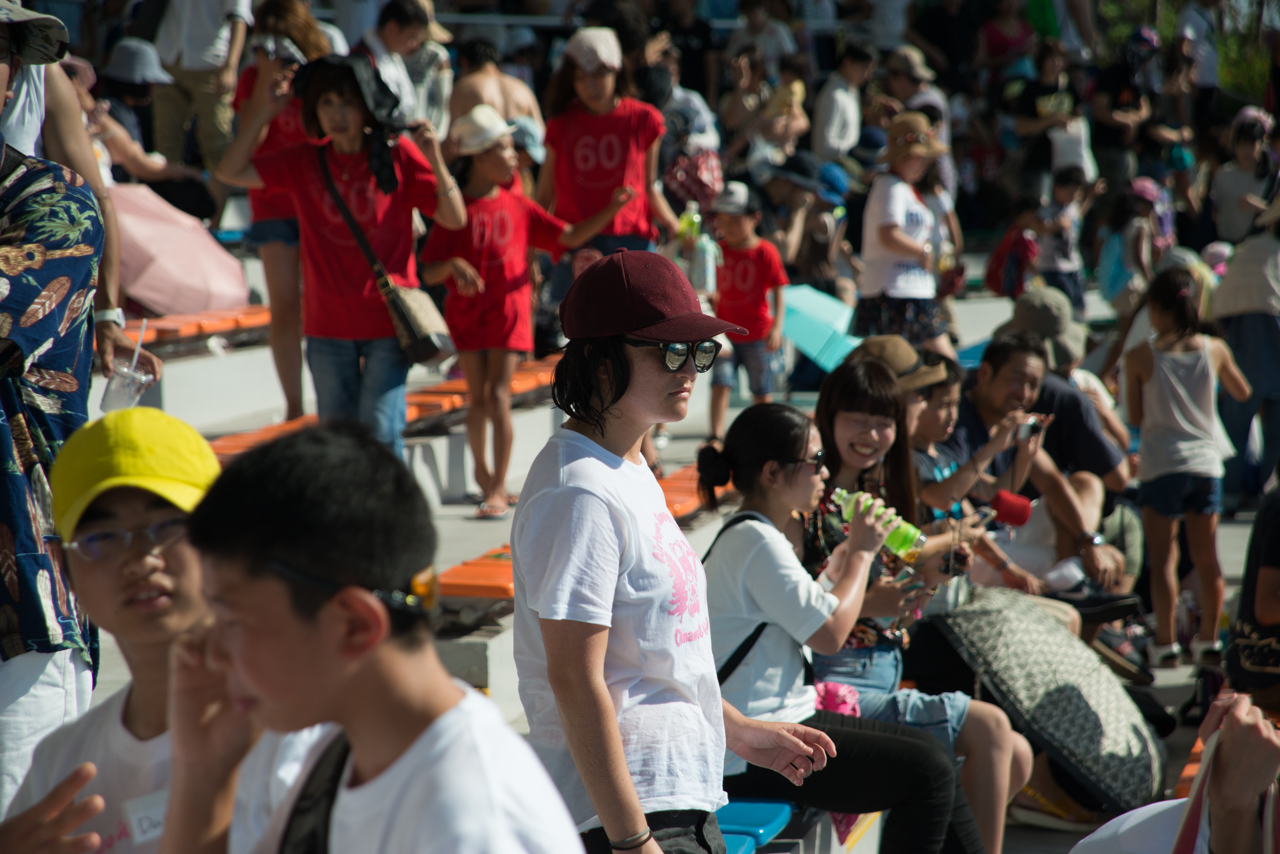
[{"x": 479, "y": 129}]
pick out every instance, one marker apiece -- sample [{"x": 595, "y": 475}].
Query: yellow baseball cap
[{"x": 140, "y": 447}]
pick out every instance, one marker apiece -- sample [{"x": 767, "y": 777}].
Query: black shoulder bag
[
  {"x": 420, "y": 328},
  {"x": 308, "y": 829},
  {"x": 739, "y": 654}
]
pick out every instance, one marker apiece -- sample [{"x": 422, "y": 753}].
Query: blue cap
[
  {"x": 528, "y": 136},
  {"x": 833, "y": 183}
]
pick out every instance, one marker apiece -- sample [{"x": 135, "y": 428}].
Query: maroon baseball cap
[{"x": 640, "y": 294}]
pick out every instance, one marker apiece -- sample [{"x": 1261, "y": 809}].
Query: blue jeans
[
  {"x": 372, "y": 394},
  {"x": 1174, "y": 495}
]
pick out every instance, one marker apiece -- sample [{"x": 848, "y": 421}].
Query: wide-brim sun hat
[
  {"x": 909, "y": 60},
  {"x": 435, "y": 30},
  {"x": 135, "y": 61},
  {"x": 904, "y": 360},
  {"x": 1047, "y": 312},
  {"x": 44, "y": 38},
  {"x": 910, "y": 135},
  {"x": 378, "y": 98},
  {"x": 139, "y": 447},
  {"x": 640, "y": 294},
  {"x": 478, "y": 129}
]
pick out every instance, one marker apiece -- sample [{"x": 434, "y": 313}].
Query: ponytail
[
  {"x": 1175, "y": 292},
  {"x": 762, "y": 433}
]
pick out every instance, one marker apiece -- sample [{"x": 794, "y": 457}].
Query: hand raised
[
  {"x": 204, "y": 727},
  {"x": 46, "y": 827}
]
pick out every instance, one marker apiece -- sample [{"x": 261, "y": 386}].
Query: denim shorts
[
  {"x": 1173, "y": 495},
  {"x": 876, "y": 672},
  {"x": 272, "y": 231},
  {"x": 758, "y": 360}
]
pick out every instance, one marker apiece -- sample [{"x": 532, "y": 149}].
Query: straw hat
[{"x": 910, "y": 134}]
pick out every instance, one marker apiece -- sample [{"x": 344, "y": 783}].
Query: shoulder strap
[
  {"x": 735, "y": 519},
  {"x": 379, "y": 272},
  {"x": 308, "y": 829},
  {"x": 740, "y": 653}
]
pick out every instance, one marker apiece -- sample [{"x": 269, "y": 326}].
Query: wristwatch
[
  {"x": 1089, "y": 538},
  {"x": 110, "y": 315}
]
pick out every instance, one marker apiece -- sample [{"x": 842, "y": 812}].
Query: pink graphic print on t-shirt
[{"x": 686, "y": 578}]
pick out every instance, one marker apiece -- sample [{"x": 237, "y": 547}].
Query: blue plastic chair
[
  {"x": 735, "y": 844},
  {"x": 759, "y": 820}
]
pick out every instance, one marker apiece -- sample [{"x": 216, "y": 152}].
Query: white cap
[
  {"x": 734, "y": 199},
  {"x": 479, "y": 129},
  {"x": 592, "y": 47}
]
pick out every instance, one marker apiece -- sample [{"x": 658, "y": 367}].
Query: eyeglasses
[
  {"x": 674, "y": 354},
  {"x": 815, "y": 461},
  {"x": 421, "y": 600},
  {"x": 107, "y": 546}
]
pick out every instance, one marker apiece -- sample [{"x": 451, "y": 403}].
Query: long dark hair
[
  {"x": 293, "y": 20},
  {"x": 869, "y": 386},
  {"x": 577, "y": 388},
  {"x": 1174, "y": 292},
  {"x": 560, "y": 93},
  {"x": 762, "y": 433}
]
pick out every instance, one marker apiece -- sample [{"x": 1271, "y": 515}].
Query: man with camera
[{"x": 1070, "y": 472}]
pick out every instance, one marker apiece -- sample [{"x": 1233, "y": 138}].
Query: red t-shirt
[
  {"x": 285, "y": 130},
  {"x": 743, "y": 283},
  {"x": 495, "y": 241},
  {"x": 597, "y": 154},
  {"x": 339, "y": 296}
]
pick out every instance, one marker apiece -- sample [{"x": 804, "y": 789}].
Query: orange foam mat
[
  {"x": 1189, "y": 771},
  {"x": 446, "y": 402},
  {"x": 485, "y": 577}
]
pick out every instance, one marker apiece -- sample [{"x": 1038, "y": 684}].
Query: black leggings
[{"x": 880, "y": 766}]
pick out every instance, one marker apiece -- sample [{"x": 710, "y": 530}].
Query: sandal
[
  {"x": 492, "y": 512},
  {"x": 1062, "y": 814}
]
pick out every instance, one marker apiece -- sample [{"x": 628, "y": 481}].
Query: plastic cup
[{"x": 125, "y": 387}]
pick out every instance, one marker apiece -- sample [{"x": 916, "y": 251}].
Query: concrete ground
[{"x": 463, "y": 537}]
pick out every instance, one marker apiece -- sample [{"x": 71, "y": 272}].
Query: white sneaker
[
  {"x": 1206, "y": 652},
  {"x": 1164, "y": 656}
]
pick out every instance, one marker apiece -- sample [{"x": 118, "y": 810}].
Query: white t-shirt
[
  {"x": 467, "y": 785},
  {"x": 1230, "y": 184},
  {"x": 837, "y": 119},
  {"x": 133, "y": 778},
  {"x": 1147, "y": 830},
  {"x": 754, "y": 577},
  {"x": 593, "y": 541},
  {"x": 1196, "y": 23},
  {"x": 893, "y": 201}
]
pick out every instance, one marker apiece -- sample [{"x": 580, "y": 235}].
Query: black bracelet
[{"x": 632, "y": 842}]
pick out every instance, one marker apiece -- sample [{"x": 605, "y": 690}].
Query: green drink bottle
[{"x": 905, "y": 540}]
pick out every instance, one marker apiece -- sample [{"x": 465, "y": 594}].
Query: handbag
[
  {"x": 419, "y": 326},
  {"x": 1195, "y": 816}
]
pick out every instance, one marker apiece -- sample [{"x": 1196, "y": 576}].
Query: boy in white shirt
[
  {"x": 317, "y": 551},
  {"x": 123, "y": 487}
]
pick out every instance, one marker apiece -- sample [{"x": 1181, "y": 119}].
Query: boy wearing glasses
[
  {"x": 752, "y": 268},
  {"x": 123, "y": 488}
]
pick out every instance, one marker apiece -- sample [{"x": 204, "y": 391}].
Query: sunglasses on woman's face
[
  {"x": 815, "y": 460},
  {"x": 674, "y": 354}
]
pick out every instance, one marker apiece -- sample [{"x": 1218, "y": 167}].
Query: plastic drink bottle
[
  {"x": 905, "y": 540},
  {"x": 690, "y": 221},
  {"x": 702, "y": 267}
]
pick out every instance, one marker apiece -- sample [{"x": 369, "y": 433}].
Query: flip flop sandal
[
  {"x": 490, "y": 512},
  {"x": 1062, "y": 814}
]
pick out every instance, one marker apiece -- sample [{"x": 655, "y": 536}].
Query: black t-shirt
[
  {"x": 1253, "y": 656},
  {"x": 970, "y": 435},
  {"x": 1116, "y": 81},
  {"x": 936, "y": 469},
  {"x": 1036, "y": 102},
  {"x": 1075, "y": 440},
  {"x": 694, "y": 42},
  {"x": 954, "y": 35}
]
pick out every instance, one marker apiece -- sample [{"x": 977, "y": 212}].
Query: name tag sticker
[{"x": 146, "y": 816}]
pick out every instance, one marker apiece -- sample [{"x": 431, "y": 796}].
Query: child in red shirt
[
  {"x": 356, "y": 362},
  {"x": 752, "y": 268},
  {"x": 274, "y": 225},
  {"x": 486, "y": 268}
]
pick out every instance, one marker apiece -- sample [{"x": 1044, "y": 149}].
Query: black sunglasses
[
  {"x": 674, "y": 354},
  {"x": 421, "y": 600},
  {"x": 815, "y": 461}
]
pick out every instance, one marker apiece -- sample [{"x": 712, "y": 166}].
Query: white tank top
[
  {"x": 1181, "y": 430},
  {"x": 23, "y": 117}
]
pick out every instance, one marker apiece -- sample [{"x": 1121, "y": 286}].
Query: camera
[
  {"x": 1031, "y": 428},
  {"x": 955, "y": 563},
  {"x": 277, "y": 46}
]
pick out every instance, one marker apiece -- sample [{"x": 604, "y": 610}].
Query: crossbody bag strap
[
  {"x": 740, "y": 654},
  {"x": 379, "y": 272},
  {"x": 308, "y": 829}
]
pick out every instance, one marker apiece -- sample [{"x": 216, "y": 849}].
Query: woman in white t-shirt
[
  {"x": 765, "y": 607},
  {"x": 612, "y": 639},
  {"x": 897, "y": 291}
]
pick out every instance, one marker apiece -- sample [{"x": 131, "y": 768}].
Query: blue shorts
[
  {"x": 759, "y": 363},
  {"x": 1173, "y": 495},
  {"x": 272, "y": 231},
  {"x": 876, "y": 672}
]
